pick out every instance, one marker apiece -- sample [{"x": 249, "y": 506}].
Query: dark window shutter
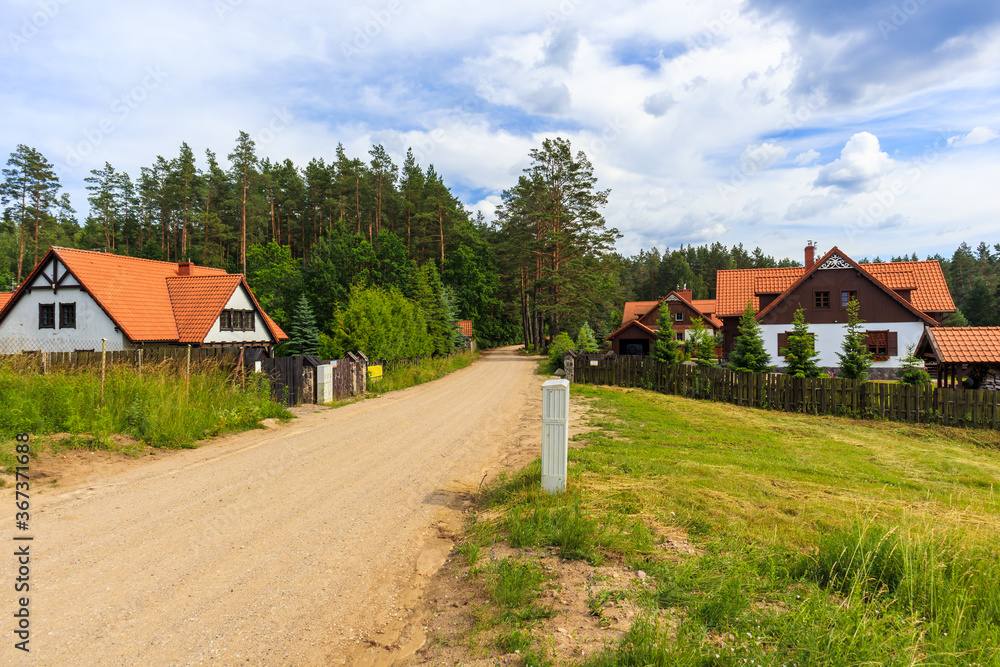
[
  {"x": 893, "y": 350},
  {"x": 782, "y": 341}
]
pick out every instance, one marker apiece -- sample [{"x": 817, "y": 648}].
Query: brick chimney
[
  {"x": 184, "y": 268},
  {"x": 684, "y": 292},
  {"x": 810, "y": 254}
]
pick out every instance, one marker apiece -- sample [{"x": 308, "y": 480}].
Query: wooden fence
[
  {"x": 830, "y": 396},
  {"x": 175, "y": 357}
]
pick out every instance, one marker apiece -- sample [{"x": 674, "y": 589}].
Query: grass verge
[
  {"x": 427, "y": 370},
  {"x": 820, "y": 540},
  {"x": 157, "y": 408}
]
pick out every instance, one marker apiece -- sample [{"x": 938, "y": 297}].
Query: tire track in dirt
[{"x": 307, "y": 544}]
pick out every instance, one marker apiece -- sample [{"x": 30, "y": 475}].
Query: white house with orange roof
[
  {"x": 75, "y": 298},
  {"x": 898, "y": 300}
]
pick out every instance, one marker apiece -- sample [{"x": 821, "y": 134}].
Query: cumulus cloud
[
  {"x": 549, "y": 98},
  {"x": 761, "y": 156},
  {"x": 978, "y": 135},
  {"x": 812, "y": 205},
  {"x": 860, "y": 166},
  {"x": 562, "y": 47},
  {"x": 807, "y": 157},
  {"x": 659, "y": 103}
]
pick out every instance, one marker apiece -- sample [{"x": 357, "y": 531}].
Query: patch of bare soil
[
  {"x": 593, "y": 607},
  {"x": 59, "y": 465}
]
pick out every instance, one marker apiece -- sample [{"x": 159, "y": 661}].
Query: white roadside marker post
[{"x": 555, "y": 435}]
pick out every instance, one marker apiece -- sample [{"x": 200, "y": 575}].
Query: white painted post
[{"x": 555, "y": 435}]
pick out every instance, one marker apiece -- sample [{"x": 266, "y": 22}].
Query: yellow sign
[{"x": 375, "y": 372}]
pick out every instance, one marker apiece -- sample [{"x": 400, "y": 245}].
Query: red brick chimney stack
[
  {"x": 810, "y": 254},
  {"x": 684, "y": 292},
  {"x": 184, "y": 268}
]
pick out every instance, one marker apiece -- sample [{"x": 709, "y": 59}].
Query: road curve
[{"x": 304, "y": 544}]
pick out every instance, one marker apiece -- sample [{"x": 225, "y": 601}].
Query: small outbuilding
[{"x": 969, "y": 352}]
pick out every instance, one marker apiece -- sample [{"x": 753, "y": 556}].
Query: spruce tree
[
  {"x": 702, "y": 343},
  {"x": 303, "y": 335},
  {"x": 855, "y": 360},
  {"x": 749, "y": 354},
  {"x": 665, "y": 345},
  {"x": 913, "y": 370},
  {"x": 799, "y": 355},
  {"x": 585, "y": 341}
]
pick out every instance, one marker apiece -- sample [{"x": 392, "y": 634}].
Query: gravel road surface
[{"x": 304, "y": 544}]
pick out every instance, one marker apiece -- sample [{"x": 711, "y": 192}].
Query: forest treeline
[{"x": 342, "y": 226}]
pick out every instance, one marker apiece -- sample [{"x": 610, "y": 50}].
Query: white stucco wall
[
  {"x": 240, "y": 300},
  {"x": 829, "y": 338},
  {"x": 19, "y": 329}
]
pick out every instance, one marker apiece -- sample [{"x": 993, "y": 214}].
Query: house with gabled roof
[
  {"x": 640, "y": 321},
  {"x": 897, "y": 301},
  {"x": 75, "y": 298}
]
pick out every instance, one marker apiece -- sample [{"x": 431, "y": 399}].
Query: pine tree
[
  {"x": 913, "y": 369},
  {"x": 956, "y": 319},
  {"x": 665, "y": 345},
  {"x": 799, "y": 355},
  {"x": 244, "y": 163},
  {"x": 748, "y": 353},
  {"x": 303, "y": 335},
  {"x": 855, "y": 360},
  {"x": 702, "y": 343},
  {"x": 978, "y": 305},
  {"x": 585, "y": 341}
]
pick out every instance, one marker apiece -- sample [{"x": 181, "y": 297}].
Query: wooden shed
[{"x": 971, "y": 352}]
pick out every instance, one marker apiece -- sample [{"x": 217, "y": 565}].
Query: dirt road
[{"x": 305, "y": 544}]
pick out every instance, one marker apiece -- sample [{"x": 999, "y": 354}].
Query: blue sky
[{"x": 874, "y": 126}]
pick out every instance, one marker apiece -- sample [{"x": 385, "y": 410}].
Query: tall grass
[
  {"x": 158, "y": 408},
  {"x": 822, "y": 541},
  {"x": 427, "y": 370}
]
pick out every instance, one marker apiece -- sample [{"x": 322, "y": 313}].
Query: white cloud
[
  {"x": 860, "y": 166},
  {"x": 806, "y": 158},
  {"x": 978, "y": 135},
  {"x": 812, "y": 205},
  {"x": 761, "y": 156},
  {"x": 658, "y": 104}
]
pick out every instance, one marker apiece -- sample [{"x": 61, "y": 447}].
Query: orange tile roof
[
  {"x": 197, "y": 302},
  {"x": 4, "y": 298},
  {"x": 465, "y": 326},
  {"x": 836, "y": 253},
  {"x": 734, "y": 287},
  {"x": 636, "y": 309},
  {"x": 931, "y": 294},
  {"x": 965, "y": 345},
  {"x": 136, "y": 294},
  {"x": 706, "y": 306}
]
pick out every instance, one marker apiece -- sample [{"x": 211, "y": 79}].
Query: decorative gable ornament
[
  {"x": 835, "y": 262},
  {"x": 673, "y": 297}
]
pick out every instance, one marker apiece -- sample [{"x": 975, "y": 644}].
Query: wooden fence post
[
  {"x": 104, "y": 353},
  {"x": 187, "y": 374}
]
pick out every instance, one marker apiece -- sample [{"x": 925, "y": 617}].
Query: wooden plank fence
[
  {"x": 827, "y": 396},
  {"x": 176, "y": 357}
]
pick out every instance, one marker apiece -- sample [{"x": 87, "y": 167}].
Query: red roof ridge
[{"x": 860, "y": 267}]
